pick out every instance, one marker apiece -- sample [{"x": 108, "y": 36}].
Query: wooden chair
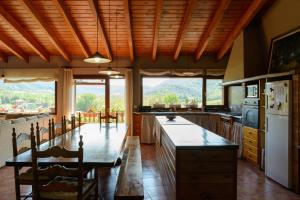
[
  {"x": 69, "y": 183},
  {"x": 108, "y": 117},
  {"x": 41, "y": 132},
  {"x": 21, "y": 143}
]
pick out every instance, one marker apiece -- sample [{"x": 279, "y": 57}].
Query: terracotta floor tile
[{"x": 252, "y": 183}]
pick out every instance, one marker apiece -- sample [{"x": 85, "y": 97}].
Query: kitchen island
[{"x": 194, "y": 162}]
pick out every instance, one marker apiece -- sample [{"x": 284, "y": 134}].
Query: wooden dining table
[{"x": 102, "y": 145}]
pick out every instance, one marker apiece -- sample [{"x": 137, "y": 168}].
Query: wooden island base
[{"x": 195, "y": 163}]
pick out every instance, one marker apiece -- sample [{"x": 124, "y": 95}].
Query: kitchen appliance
[
  {"x": 278, "y": 132},
  {"x": 250, "y": 112},
  {"x": 252, "y": 91}
]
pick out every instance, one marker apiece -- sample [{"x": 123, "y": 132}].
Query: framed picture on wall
[{"x": 285, "y": 52}]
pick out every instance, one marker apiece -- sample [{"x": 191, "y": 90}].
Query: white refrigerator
[{"x": 278, "y": 132}]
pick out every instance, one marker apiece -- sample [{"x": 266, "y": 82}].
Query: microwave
[{"x": 252, "y": 91}]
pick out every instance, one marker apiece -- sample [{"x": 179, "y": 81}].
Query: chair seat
[
  {"x": 88, "y": 184},
  {"x": 27, "y": 177}
]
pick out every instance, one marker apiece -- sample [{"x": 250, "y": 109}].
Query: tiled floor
[{"x": 252, "y": 184}]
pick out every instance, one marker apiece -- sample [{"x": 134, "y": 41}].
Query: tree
[
  {"x": 86, "y": 102},
  {"x": 171, "y": 98}
]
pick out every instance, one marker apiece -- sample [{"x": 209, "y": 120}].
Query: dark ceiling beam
[
  {"x": 101, "y": 29},
  {"x": 243, "y": 22},
  {"x": 128, "y": 28},
  {"x": 47, "y": 29},
  {"x": 190, "y": 7},
  {"x": 218, "y": 15},
  {"x": 72, "y": 27},
  {"x": 29, "y": 39},
  {"x": 13, "y": 48},
  {"x": 156, "y": 28}
]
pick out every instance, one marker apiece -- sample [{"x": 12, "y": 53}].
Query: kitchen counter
[
  {"x": 195, "y": 162},
  {"x": 194, "y": 136},
  {"x": 157, "y": 113}
]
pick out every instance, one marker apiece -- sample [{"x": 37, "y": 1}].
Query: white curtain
[
  {"x": 67, "y": 93},
  {"x": 129, "y": 99},
  {"x": 176, "y": 72},
  {"x": 30, "y": 75}
]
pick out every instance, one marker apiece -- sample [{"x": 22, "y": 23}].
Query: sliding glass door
[{"x": 99, "y": 95}]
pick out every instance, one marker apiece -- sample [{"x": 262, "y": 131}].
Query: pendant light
[
  {"x": 109, "y": 71},
  {"x": 97, "y": 57}
]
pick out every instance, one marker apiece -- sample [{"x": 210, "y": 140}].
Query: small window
[
  {"x": 214, "y": 92},
  {"x": 23, "y": 97},
  {"x": 168, "y": 92}
]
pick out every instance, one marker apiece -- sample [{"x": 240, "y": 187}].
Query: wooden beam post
[
  {"x": 29, "y": 39},
  {"x": 13, "y": 48},
  {"x": 128, "y": 28},
  {"x": 101, "y": 29},
  {"x": 211, "y": 27},
  {"x": 44, "y": 25},
  {"x": 156, "y": 28},
  {"x": 243, "y": 22},
  {"x": 190, "y": 7},
  {"x": 72, "y": 27}
]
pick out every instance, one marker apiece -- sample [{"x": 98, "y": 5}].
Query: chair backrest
[
  {"x": 53, "y": 128},
  {"x": 108, "y": 117},
  {"x": 21, "y": 142},
  {"x": 41, "y": 132},
  {"x": 56, "y": 170}
]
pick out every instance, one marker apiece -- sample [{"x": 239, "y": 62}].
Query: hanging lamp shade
[
  {"x": 109, "y": 71},
  {"x": 97, "y": 58}
]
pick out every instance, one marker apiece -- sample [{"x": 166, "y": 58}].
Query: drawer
[
  {"x": 250, "y": 156},
  {"x": 251, "y": 142},
  {"x": 251, "y": 149},
  {"x": 251, "y": 133}
]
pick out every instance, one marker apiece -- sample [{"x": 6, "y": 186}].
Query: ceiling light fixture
[
  {"x": 109, "y": 71},
  {"x": 97, "y": 57}
]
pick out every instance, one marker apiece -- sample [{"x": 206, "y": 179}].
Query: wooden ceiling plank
[
  {"x": 72, "y": 27},
  {"x": 243, "y": 22},
  {"x": 190, "y": 7},
  {"x": 211, "y": 28},
  {"x": 128, "y": 27},
  {"x": 13, "y": 48},
  {"x": 156, "y": 28},
  {"x": 30, "y": 40},
  {"x": 101, "y": 29},
  {"x": 3, "y": 57},
  {"x": 44, "y": 25}
]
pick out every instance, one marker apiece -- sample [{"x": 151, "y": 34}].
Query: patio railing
[{"x": 93, "y": 117}]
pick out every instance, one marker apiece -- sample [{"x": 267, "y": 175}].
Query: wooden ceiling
[{"x": 67, "y": 28}]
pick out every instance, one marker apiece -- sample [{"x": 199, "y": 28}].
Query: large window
[
  {"x": 214, "y": 92},
  {"x": 165, "y": 92},
  {"x": 90, "y": 95},
  {"x": 117, "y": 95},
  {"x": 35, "y": 97}
]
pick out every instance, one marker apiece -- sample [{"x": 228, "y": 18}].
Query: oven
[{"x": 250, "y": 112}]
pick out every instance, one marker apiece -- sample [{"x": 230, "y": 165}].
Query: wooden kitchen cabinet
[
  {"x": 137, "y": 123},
  {"x": 250, "y": 144}
]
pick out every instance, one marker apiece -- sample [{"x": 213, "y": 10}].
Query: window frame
[
  {"x": 169, "y": 76},
  {"x": 204, "y": 97},
  {"x": 223, "y": 105},
  {"x": 55, "y": 101}
]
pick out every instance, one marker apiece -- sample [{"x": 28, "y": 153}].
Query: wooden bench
[{"x": 130, "y": 179}]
